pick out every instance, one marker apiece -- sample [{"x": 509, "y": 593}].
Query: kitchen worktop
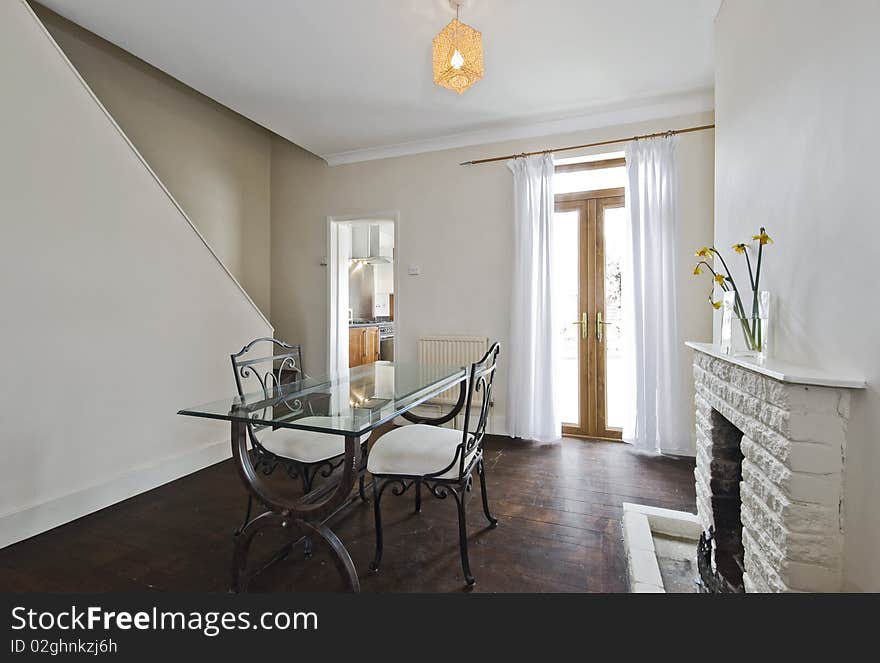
[{"x": 370, "y": 324}]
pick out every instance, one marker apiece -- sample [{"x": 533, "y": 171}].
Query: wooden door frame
[
  {"x": 331, "y": 259},
  {"x": 591, "y": 299},
  {"x": 601, "y": 425},
  {"x": 581, "y": 205}
]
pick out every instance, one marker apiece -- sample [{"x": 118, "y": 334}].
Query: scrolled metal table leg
[
  {"x": 243, "y": 541},
  {"x": 337, "y": 551},
  {"x": 305, "y": 514}
]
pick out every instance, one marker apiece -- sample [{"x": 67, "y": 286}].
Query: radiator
[{"x": 451, "y": 351}]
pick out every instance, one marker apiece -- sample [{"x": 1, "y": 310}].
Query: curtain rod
[{"x": 578, "y": 147}]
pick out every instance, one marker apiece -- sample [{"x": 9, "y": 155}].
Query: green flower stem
[
  {"x": 756, "y": 331},
  {"x": 741, "y": 312},
  {"x": 749, "y": 265}
]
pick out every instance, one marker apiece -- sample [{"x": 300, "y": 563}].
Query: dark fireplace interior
[{"x": 726, "y": 538}]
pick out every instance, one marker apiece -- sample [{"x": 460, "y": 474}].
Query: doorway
[
  {"x": 589, "y": 227},
  {"x": 363, "y": 308}
]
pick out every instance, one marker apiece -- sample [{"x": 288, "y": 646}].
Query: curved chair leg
[
  {"x": 418, "y": 496},
  {"x": 361, "y": 490},
  {"x": 374, "y": 565},
  {"x": 493, "y": 521},
  {"x": 462, "y": 537},
  {"x": 247, "y": 515}
]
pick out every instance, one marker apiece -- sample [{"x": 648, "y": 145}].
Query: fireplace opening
[{"x": 720, "y": 552}]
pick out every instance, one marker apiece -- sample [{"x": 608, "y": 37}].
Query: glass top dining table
[{"x": 351, "y": 402}]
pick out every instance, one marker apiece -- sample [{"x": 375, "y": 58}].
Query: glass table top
[{"x": 351, "y": 402}]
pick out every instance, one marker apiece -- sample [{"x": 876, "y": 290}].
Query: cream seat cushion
[
  {"x": 417, "y": 450},
  {"x": 305, "y": 446}
]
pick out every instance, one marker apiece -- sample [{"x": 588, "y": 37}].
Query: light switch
[
  {"x": 413, "y": 270},
  {"x": 323, "y": 261}
]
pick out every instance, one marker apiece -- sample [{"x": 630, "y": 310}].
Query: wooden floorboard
[{"x": 559, "y": 507}]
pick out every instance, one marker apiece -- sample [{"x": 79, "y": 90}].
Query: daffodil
[
  {"x": 762, "y": 237},
  {"x": 723, "y": 277}
]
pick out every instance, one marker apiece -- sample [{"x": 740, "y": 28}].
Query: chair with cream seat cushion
[
  {"x": 443, "y": 459},
  {"x": 417, "y": 450},
  {"x": 303, "y": 453},
  {"x": 305, "y": 446}
]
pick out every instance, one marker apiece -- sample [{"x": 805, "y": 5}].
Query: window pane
[{"x": 589, "y": 180}]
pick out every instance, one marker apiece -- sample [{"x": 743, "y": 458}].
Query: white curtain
[
  {"x": 532, "y": 411},
  {"x": 340, "y": 249},
  {"x": 657, "y": 419}
]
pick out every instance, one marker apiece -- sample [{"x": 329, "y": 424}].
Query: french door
[{"x": 588, "y": 238}]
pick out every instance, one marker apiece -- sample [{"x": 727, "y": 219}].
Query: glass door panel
[
  {"x": 610, "y": 339},
  {"x": 567, "y": 310}
]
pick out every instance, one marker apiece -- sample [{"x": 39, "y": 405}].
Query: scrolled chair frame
[
  {"x": 468, "y": 456},
  {"x": 290, "y": 359}
]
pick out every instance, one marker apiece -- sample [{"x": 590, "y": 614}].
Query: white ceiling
[{"x": 351, "y": 79}]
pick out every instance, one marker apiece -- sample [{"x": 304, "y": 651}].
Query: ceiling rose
[{"x": 458, "y": 54}]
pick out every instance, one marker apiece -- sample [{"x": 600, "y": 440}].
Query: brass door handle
[
  {"x": 599, "y": 324},
  {"x": 584, "y": 322}
]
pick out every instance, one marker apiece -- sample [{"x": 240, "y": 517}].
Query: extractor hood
[{"x": 370, "y": 245}]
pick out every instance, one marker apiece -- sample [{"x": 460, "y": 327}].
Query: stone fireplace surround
[{"x": 793, "y": 448}]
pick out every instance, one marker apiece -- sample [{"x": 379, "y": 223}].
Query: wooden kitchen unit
[{"x": 363, "y": 345}]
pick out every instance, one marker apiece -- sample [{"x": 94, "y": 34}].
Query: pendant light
[{"x": 458, "y": 54}]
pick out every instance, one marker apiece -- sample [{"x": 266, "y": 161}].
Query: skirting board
[{"x": 33, "y": 520}]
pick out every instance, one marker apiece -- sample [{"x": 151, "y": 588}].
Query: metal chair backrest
[
  {"x": 256, "y": 372},
  {"x": 480, "y": 380}
]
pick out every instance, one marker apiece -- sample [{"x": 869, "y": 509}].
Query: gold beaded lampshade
[{"x": 458, "y": 55}]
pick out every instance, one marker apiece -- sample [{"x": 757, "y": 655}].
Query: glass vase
[{"x": 750, "y": 324}]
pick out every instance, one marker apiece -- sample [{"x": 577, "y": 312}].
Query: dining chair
[
  {"x": 303, "y": 454},
  {"x": 443, "y": 459}
]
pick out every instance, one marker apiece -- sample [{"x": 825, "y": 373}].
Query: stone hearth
[{"x": 771, "y": 444}]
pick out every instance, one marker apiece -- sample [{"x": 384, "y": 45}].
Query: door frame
[
  {"x": 591, "y": 300},
  {"x": 331, "y": 260}
]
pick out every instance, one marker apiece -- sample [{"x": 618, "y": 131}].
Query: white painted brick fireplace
[{"x": 771, "y": 450}]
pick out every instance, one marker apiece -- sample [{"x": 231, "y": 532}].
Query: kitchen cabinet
[{"x": 363, "y": 345}]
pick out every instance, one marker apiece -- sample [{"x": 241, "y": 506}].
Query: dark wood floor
[{"x": 559, "y": 507}]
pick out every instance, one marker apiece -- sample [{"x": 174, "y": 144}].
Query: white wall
[
  {"x": 214, "y": 161},
  {"x": 797, "y": 101},
  {"x": 454, "y": 224},
  {"x": 115, "y": 313}
]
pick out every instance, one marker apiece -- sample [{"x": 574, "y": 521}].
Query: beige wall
[
  {"x": 115, "y": 313},
  {"x": 797, "y": 100},
  {"x": 214, "y": 161},
  {"x": 455, "y": 223}
]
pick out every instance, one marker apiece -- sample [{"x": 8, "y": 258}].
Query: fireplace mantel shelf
[{"x": 783, "y": 371}]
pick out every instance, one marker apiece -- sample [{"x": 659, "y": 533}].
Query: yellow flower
[
  {"x": 698, "y": 270},
  {"x": 705, "y": 252},
  {"x": 716, "y": 305},
  {"x": 739, "y": 248},
  {"x": 719, "y": 279},
  {"x": 763, "y": 237}
]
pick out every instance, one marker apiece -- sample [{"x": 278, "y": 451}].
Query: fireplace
[
  {"x": 720, "y": 553},
  {"x": 771, "y": 445}
]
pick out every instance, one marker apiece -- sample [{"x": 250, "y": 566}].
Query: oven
[{"x": 386, "y": 341}]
